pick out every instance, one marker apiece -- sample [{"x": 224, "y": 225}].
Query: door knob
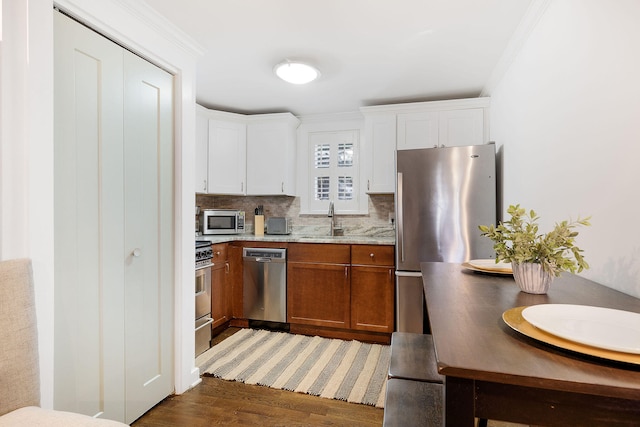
[{"x": 136, "y": 252}]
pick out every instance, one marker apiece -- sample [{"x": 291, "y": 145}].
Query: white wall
[
  {"x": 566, "y": 115},
  {"x": 26, "y": 151}
]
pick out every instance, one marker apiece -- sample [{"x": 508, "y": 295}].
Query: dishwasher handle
[{"x": 262, "y": 259}]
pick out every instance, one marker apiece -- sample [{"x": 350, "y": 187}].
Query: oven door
[{"x": 203, "y": 291}]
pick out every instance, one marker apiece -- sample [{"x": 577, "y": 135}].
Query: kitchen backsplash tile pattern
[{"x": 376, "y": 223}]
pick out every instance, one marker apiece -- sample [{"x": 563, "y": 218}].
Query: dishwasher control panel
[{"x": 264, "y": 253}]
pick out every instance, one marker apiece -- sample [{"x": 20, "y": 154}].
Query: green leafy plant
[{"x": 517, "y": 240}]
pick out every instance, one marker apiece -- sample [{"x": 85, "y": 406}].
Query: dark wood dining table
[{"x": 494, "y": 372}]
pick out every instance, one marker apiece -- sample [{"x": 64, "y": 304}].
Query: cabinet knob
[
  {"x": 216, "y": 253},
  {"x": 371, "y": 255},
  {"x": 136, "y": 252}
]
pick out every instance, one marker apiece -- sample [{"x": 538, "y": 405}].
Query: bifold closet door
[
  {"x": 148, "y": 196},
  {"x": 113, "y": 184}
]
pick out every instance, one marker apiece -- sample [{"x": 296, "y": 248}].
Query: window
[{"x": 333, "y": 171}]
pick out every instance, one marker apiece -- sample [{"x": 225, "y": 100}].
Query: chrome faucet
[{"x": 330, "y": 215}]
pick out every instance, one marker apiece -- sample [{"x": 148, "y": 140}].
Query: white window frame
[{"x": 308, "y": 205}]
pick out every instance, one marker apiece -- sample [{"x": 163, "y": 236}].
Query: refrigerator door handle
[{"x": 400, "y": 219}]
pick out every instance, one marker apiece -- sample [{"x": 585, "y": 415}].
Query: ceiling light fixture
[{"x": 296, "y": 72}]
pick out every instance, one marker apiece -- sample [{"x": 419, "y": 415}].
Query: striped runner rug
[{"x": 331, "y": 368}]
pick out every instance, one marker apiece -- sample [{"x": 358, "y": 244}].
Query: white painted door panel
[
  {"x": 380, "y": 139},
  {"x": 417, "y": 130},
  {"x": 271, "y": 148},
  {"x": 148, "y": 248},
  {"x": 113, "y": 182},
  {"x": 461, "y": 127},
  {"x": 89, "y": 230},
  {"x": 227, "y": 157},
  {"x": 202, "y": 151}
]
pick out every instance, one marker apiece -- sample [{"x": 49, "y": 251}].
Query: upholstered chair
[{"x": 19, "y": 366}]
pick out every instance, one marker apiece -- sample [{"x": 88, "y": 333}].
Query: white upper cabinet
[
  {"x": 417, "y": 130},
  {"x": 202, "y": 150},
  {"x": 378, "y": 152},
  {"x": 271, "y": 154},
  {"x": 442, "y": 123},
  {"x": 461, "y": 127},
  {"x": 227, "y": 154}
]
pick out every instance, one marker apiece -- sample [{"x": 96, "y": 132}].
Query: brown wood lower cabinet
[
  {"x": 318, "y": 285},
  {"x": 372, "y": 288},
  {"x": 318, "y": 294},
  {"x": 221, "y": 310},
  {"x": 341, "y": 286},
  {"x": 372, "y": 298}
]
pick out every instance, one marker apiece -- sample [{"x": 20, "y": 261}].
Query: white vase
[{"x": 531, "y": 277}]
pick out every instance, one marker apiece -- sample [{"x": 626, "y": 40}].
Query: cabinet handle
[
  {"x": 226, "y": 264},
  {"x": 204, "y": 185},
  {"x": 136, "y": 252},
  {"x": 346, "y": 272},
  {"x": 242, "y": 187},
  {"x": 282, "y": 188},
  {"x": 368, "y": 185}
]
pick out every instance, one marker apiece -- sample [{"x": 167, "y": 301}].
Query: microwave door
[{"x": 222, "y": 222}]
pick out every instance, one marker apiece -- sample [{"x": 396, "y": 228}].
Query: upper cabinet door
[
  {"x": 443, "y": 123},
  {"x": 271, "y": 151},
  {"x": 202, "y": 151},
  {"x": 417, "y": 130},
  {"x": 379, "y": 148},
  {"x": 461, "y": 127},
  {"x": 227, "y": 157}
]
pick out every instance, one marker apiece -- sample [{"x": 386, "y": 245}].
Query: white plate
[
  {"x": 491, "y": 265},
  {"x": 606, "y": 328}
]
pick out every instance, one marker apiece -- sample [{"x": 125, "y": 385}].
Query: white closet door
[
  {"x": 113, "y": 200},
  {"x": 148, "y": 188},
  {"x": 89, "y": 225}
]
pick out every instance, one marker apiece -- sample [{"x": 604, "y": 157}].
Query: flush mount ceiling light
[{"x": 296, "y": 72}]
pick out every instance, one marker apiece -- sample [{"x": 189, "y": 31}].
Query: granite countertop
[{"x": 298, "y": 238}]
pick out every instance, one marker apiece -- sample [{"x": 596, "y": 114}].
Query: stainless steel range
[{"x": 204, "y": 254}]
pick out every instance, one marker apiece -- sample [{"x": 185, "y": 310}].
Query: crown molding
[{"x": 88, "y": 13}]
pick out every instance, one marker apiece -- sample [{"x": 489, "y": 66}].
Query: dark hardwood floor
[{"x": 219, "y": 402}]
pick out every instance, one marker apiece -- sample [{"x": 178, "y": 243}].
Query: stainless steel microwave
[{"x": 222, "y": 221}]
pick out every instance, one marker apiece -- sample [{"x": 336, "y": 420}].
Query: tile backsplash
[{"x": 376, "y": 223}]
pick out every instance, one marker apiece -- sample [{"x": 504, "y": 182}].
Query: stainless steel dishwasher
[{"x": 265, "y": 284}]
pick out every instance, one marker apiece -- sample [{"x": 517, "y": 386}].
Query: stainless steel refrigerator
[{"x": 442, "y": 195}]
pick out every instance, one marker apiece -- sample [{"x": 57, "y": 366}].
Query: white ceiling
[{"x": 370, "y": 52}]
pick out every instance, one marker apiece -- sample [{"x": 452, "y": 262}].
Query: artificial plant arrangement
[{"x": 517, "y": 241}]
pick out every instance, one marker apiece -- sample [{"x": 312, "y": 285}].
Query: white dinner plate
[
  {"x": 600, "y": 327},
  {"x": 491, "y": 265}
]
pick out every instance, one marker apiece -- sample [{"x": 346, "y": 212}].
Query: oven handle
[
  {"x": 208, "y": 322},
  {"x": 200, "y": 267}
]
